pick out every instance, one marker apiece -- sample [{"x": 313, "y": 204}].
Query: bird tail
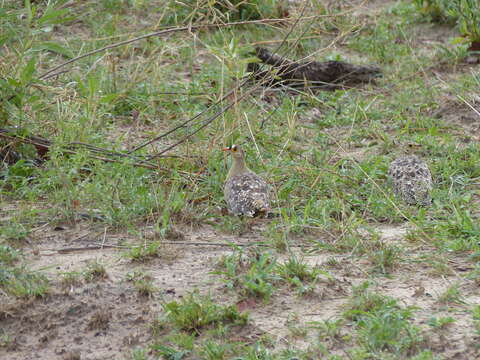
[{"x": 261, "y": 207}]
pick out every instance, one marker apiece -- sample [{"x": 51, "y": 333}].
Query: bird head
[{"x": 235, "y": 150}]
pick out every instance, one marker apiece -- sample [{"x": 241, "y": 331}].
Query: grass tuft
[
  {"x": 382, "y": 325},
  {"x": 22, "y": 283},
  {"x": 452, "y": 295},
  {"x": 252, "y": 275},
  {"x": 195, "y": 313},
  {"x": 94, "y": 271}
]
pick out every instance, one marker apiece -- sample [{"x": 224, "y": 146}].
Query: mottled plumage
[
  {"x": 245, "y": 192},
  {"x": 412, "y": 180}
]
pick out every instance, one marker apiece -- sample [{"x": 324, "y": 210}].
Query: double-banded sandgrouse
[
  {"x": 412, "y": 180},
  {"x": 245, "y": 192}
]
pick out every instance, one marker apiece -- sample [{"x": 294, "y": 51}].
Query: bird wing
[
  {"x": 412, "y": 179},
  {"x": 247, "y": 194}
]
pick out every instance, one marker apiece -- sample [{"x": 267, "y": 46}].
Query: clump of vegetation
[
  {"x": 94, "y": 271},
  {"x": 70, "y": 279},
  {"x": 299, "y": 274},
  {"x": 13, "y": 231},
  {"x": 20, "y": 282},
  {"x": 476, "y": 318},
  {"x": 257, "y": 274},
  {"x": 452, "y": 295},
  {"x": 365, "y": 301},
  {"x": 441, "y": 322},
  {"x": 8, "y": 255},
  {"x": 435, "y": 9},
  {"x": 466, "y": 14},
  {"x": 455, "y": 227},
  {"x": 385, "y": 257},
  {"x": 250, "y": 9},
  {"x": 143, "y": 283},
  {"x": 194, "y": 313},
  {"x": 475, "y": 274},
  {"x": 227, "y": 10},
  {"x": 253, "y": 275},
  {"x": 141, "y": 253},
  {"x": 329, "y": 328},
  {"x": 17, "y": 280},
  {"x": 382, "y": 325}
]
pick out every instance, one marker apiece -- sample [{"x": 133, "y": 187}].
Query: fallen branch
[
  {"x": 183, "y": 243},
  {"x": 316, "y": 74},
  {"x": 43, "y": 147},
  {"x": 87, "y": 248}
]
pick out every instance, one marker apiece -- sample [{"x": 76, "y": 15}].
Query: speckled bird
[
  {"x": 245, "y": 192},
  {"x": 412, "y": 180}
]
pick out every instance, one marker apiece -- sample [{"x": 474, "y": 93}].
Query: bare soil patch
[{"x": 108, "y": 318}]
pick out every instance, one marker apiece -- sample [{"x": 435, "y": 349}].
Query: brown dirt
[
  {"x": 107, "y": 318},
  {"x": 458, "y": 114}
]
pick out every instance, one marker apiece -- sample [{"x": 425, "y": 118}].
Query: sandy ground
[{"x": 106, "y": 318}]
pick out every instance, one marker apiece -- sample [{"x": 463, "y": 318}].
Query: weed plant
[
  {"x": 382, "y": 325},
  {"x": 194, "y": 313},
  {"x": 464, "y": 12}
]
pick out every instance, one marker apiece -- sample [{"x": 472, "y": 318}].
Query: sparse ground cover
[{"x": 114, "y": 260}]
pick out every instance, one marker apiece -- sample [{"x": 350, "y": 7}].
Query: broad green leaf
[
  {"x": 107, "y": 99},
  {"x": 459, "y": 40},
  {"x": 13, "y": 82},
  {"x": 54, "y": 17},
  {"x": 30, "y": 11},
  {"x": 27, "y": 72}
]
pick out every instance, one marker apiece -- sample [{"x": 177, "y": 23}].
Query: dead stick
[
  {"x": 74, "y": 249},
  {"x": 222, "y": 244},
  {"x": 107, "y": 246}
]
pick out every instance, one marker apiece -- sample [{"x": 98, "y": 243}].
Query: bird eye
[{"x": 234, "y": 148}]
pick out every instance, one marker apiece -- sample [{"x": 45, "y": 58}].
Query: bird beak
[{"x": 226, "y": 149}]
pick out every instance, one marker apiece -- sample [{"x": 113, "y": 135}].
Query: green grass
[
  {"x": 94, "y": 271},
  {"x": 23, "y": 283},
  {"x": 328, "y": 329},
  {"x": 385, "y": 257},
  {"x": 14, "y": 231},
  {"x": 251, "y": 275},
  {"x": 70, "y": 279},
  {"x": 194, "y": 313},
  {"x": 16, "y": 279},
  {"x": 300, "y": 275},
  {"x": 465, "y": 13},
  {"x": 145, "y": 252},
  {"x": 452, "y": 295},
  {"x": 8, "y": 255},
  {"x": 326, "y": 155},
  {"x": 143, "y": 283},
  {"x": 476, "y": 318},
  {"x": 441, "y": 323},
  {"x": 382, "y": 325}
]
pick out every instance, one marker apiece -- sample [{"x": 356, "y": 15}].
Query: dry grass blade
[
  {"x": 164, "y": 32},
  {"x": 261, "y": 82}
]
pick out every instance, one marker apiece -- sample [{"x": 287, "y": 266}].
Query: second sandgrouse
[{"x": 412, "y": 180}]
